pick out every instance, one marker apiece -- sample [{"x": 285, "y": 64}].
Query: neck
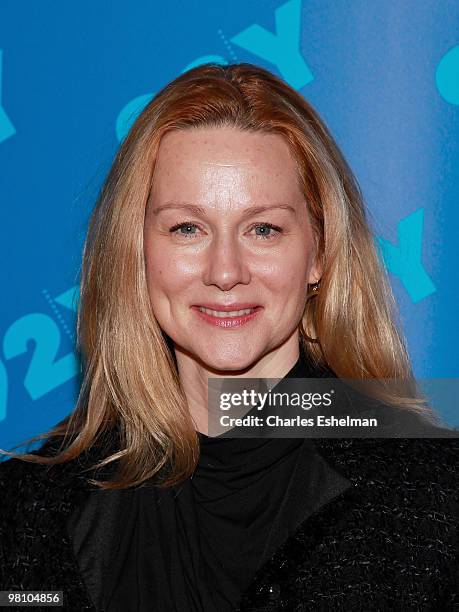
[{"x": 194, "y": 375}]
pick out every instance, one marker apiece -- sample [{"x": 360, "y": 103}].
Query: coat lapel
[{"x": 314, "y": 483}]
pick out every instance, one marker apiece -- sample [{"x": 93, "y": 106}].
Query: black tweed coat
[{"x": 380, "y": 531}]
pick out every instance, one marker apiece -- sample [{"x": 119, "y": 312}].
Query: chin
[{"x": 231, "y": 362}]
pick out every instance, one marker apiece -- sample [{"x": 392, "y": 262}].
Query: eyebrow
[{"x": 198, "y": 210}]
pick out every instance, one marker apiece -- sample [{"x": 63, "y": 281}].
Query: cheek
[
  {"x": 165, "y": 274},
  {"x": 287, "y": 281}
]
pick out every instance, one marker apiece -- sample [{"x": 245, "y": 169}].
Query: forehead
[
  {"x": 226, "y": 141},
  {"x": 205, "y": 161}
]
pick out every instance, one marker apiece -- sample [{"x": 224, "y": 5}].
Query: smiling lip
[
  {"x": 227, "y": 322},
  {"x": 229, "y": 307}
]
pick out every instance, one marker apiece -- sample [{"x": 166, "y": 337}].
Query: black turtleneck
[{"x": 196, "y": 547}]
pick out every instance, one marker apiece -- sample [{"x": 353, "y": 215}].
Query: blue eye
[
  {"x": 265, "y": 228},
  {"x": 187, "y": 225}
]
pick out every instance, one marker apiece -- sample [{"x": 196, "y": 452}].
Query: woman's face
[{"x": 207, "y": 241}]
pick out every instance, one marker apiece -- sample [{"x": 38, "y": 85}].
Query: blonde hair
[{"x": 130, "y": 378}]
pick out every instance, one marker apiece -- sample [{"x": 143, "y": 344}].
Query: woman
[{"x": 229, "y": 194}]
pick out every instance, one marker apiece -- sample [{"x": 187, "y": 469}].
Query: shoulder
[
  {"x": 17, "y": 476},
  {"x": 25, "y": 520},
  {"x": 55, "y": 486},
  {"x": 27, "y": 502},
  {"x": 424, "y": 458},
  {"x": 420, "y": 471},
  {"x": 35, "y": 548},
  {"x": 389, "y": 539},
  {"x": 36, "y": 499},
  {"x": 20, "y": 482},
  {"x": 33, "y": 491},
  {"x": 404, "y": 494}
]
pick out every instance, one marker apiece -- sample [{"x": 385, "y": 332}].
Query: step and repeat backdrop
[{"x": 383, "y": 75}]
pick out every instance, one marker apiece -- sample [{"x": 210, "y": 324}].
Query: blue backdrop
[{"x": 384, "y": 75}]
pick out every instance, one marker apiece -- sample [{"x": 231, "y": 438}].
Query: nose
[{"x": 226, "y": 265}]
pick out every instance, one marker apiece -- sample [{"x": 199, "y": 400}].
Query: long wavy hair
[{"x": 130, "y": 380}]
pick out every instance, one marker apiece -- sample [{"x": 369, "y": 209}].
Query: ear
[{"x": 315, "y": 273}]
